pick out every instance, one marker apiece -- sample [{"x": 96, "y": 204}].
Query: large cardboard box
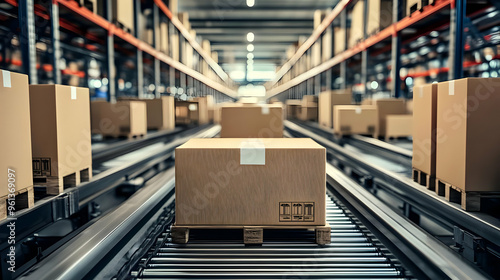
[
  {"x": 309, "y": 100},
  {"x": 357, "y": 23},
  {"x": 15, "y": 122},
  {"x": 186, "y": 112},
  {"x": 160, "y": 113},
  {"x": 243, "y": 182},
  {"x": 309, "y": 113},
  {"x": 252, "y": 121},
  {"x": 424, "y": 129},
  {"x": 175, "y": 46},
  {"x": 379, "y": 15},
  {"x": 164, "y": 37},
  {"x": 388, "y": 106},
  {"x": 329, "y": 99},
  {"x": 398, "y": 126},
  {"x": 355, "y": 119},
  {"x": 60, "y": 135},
  {"x": 124, "y": 118},
  {"x": 409, "y": 106},
  {"x": 339, "y": 40},
  {"x": 468, "y": 134},
  {"x": 123, "y": 13}
]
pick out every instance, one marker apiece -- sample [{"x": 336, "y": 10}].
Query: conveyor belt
[{"x": 352, "y": 254}]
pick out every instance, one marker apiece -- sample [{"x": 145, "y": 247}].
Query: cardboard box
[
  {"x": 123, "y": 118},
  {"x": 184, "y": 19},
  {"x": 379, "y": 15},
  {"x": 123, "y": 13},
  {"x": 202, "y": 110},
  {"x": 357, "y": 23},
  {"x": 15, "y": 148},
  {"x": 252, "y": 121},
  {"x": 409, "y": 106},
  {"x": 398, "y": 126},
  {"x": 329, "y": 99},
  {"x": 424, "y": 129},
  {"x": 60, "y": 134},
  {"x": 315, "y": 54},
  {"x": 160, "y": 113},
  {"x": 339, "y": 40},
  {"x": 388, "y": 106},
  {"x": 309, "y": 113},
  {"x": 327, "y": 45},
  {"x": 186, "y": 112},
  {"x": 164, "y": 37},
  {"x": 293, "y": 108},
  {"x": 175, "y": 46},
  {"x": 279, "y": 182},
  {"x": 468, "y": 134},
  {"x": 355, "y": 119},
  {"x": 309, "y": 101},
  {"x": 367, "y": 101}
]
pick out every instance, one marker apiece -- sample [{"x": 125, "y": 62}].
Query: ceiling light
[
  {"x": 250, "y": 47},
  {"x": 250, "y": 56},
  {"x": 250, "y": 3},
  {"x": 250, "y": 37}
]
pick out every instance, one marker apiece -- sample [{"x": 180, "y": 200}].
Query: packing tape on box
[
  {"x": 358, "y": 110},
  {"x": 451, "y": 90},
  {"x": 252, "y": 152},
  {"x": 265, "y": 110},
  {"x": 6, "y": 79},
  {"x": 73, "y": 92}
]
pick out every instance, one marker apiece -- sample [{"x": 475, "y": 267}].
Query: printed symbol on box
[
  {"x": 285, "y": 211},
  {"x": 309, "y": 212},
  {"x": 297, "y": 212},
  {"x": 41, "y": 166}
]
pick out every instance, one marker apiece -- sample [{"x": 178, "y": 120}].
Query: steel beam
[{"x": 27, "y": 39}]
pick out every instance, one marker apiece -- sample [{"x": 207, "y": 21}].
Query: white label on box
[
  {"x": 6, "y": 79},
  {"x": 252, "y": 152},
  {"x": 265, "y": 110},
  {"x": 421, "y": 89},
  {"x": 73, "y": 92},
  {"x": 358, "y": 110},
  {"x": 451, "y": 91}
]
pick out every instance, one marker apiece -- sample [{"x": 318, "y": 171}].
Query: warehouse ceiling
[{"x": 275, "y": 24}]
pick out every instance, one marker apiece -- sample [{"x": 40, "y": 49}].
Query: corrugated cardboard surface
[
  {"x": 355, "y": 119},
  {"x": 60, "y": 127},
  {"x": 15, "y": 148},
  {"x": 121, "y": 119},
  {"x": 202, "y": 109},
  {"x": 309, "y": 113},
  {"x": 386, "y": 107},
  {"x": 339, "y": 40},
  {"x": 186, "y": 112},
  {"x": 409, "y": 106},
  {"x": 309, "y": 100},
  {"x": 468, "y": 136},
  {"x": 357, "y": 23},
  {"x": 327, "y": 100},
  {"x": 424, "y": 128},
  {"x": 160, "y": 112},
  {"x": 399, "y": 125},
  {"x": 410, "y": 3},
  {"x": 123, "y": 12},
  {"x": 213, "y": 188},
  {"x": 252, "y": 121}
]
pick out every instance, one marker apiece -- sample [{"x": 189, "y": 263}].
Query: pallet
[
  {"x": 24, "y": 198},
  {"x": 251, "y": 234},
  {"x": 57, "y": 185},
  {"x": 424, "y": 179},
  {"x": 469, "y": 201}
]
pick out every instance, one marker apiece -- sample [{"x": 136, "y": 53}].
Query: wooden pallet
[
  {"x": 57, "y": 185},
  {"x": 424, "y": 179},
  {"x": 469, "y": 201},
  {"x": 251, "y": 234},
  {"x": 24, "y": 198}
]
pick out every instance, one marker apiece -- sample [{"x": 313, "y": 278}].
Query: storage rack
[
  {"x": 371, "y": 55},
  {"x": 120, "y": 54}
]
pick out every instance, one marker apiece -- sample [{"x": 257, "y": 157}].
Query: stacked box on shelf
[
  {"x": 186, "y": 112},
  {"x": 123, "y": 14},
  {"x": 174, "y": 40},
  {"x": 164, "y": 40},
  {"x": 326, "y": 103},
  {"x": 416, "y": 5},
  {"x": 327, "y": 40},
  {"x": 293, "y": 108},
  {"x": 252, "y": 121},
  {"x": 468, "y": 137},
  {"x": 203, "y": 106},
  {"x": 355, "y": 119},
  {"x": 271, "y": 182},
  {"x": 339, "y": 40},
  {"x": 357, "y": 23},
  {"x": 379, "y": 15},
  {"x": 424, "y": 135},
  {"x": 60, "y": 136},
  {"x": 206, "y": 48},
  {"x": 309, "y": 108},
  {"x": 15, "y": 149},
  {"x": 126, "y": 118}
]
